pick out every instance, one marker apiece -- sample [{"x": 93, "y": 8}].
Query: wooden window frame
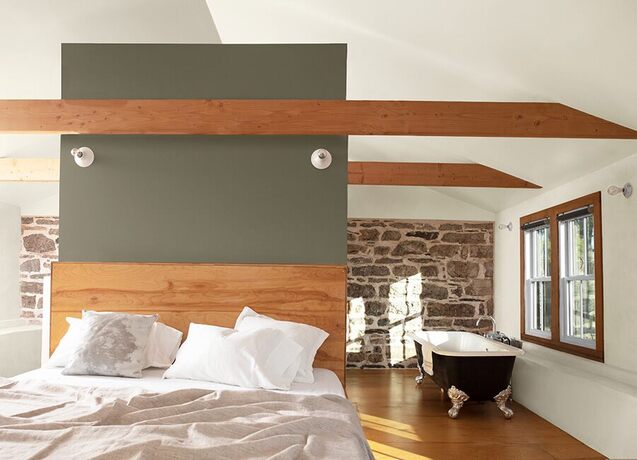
[{"x": 555, "y": 341}]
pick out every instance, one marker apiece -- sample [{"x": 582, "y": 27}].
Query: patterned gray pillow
[{"x": 112, "y": 344}]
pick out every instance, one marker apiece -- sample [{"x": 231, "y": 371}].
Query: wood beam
[
  {"x": 309, "y": 117},
  {"x": 359, "y": 173},
  {"x": 432, "y": 175},
  {"x": 29, "y": 169}
]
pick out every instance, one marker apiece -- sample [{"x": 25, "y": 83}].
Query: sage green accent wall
[
  {"x": 243, "y": 199},
  {"x": 152, "y": 71}
]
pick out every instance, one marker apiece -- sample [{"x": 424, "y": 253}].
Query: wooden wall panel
[
  {"x": 207, "y": 294},
  {"x": 308, "y": 117}
]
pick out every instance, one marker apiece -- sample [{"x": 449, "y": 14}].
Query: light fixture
[
  {"x": 83, "y": 156},
  {"x": 508, "y": 226},
  {"x": 321, "y": 159},
  {"x": 626, "y": 190}
]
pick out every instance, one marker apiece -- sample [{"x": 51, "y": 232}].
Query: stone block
[
  {"x": 434, "y": 291},
  {"x": 381, "y": 250},
  {"x": 38, "y": 243},
  {"x": 355, "y": 290},
  {"x": 424, "y": 235},
  {"x": 409, "y": 247},
  {"x": 30, "y": 266},
  {"x": 479, "y": 287},
  {"x": 444, "y": 250},
  {"x": 370, "y": 270},
  {"x": 451, "y": 310},
  {"x": 28, "y": 301},
  {"x": 404, "y": 270},
  {"x": 368, "y": 234},
  {"x": 391, "y": 235},
  {"x": 459, "y": 269},
  {"x": 31, "y": 287},
  {"x": 464, "y": 238}
]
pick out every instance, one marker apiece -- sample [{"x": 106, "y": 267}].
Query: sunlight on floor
[
  {"x": 387, "y": 423},
  {"x": 383, "y": 451}
]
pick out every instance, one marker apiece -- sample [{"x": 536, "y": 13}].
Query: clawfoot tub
[{"x": 467, "y": 366}]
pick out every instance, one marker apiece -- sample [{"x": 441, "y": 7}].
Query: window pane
[
  {"x": 580, "y": 309},
  {"x": 541, "y": 305},
  {"x": 580, "y": 250},
  {"x": 538, "y": 282},
  {"x": 542, "y": 251},
  {"x": 590, "y": 246}
]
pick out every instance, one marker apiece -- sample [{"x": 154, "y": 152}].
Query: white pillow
[
  {"x": 253, "y": 359},
  {"x": 163, "y": 344},
  {"x": 309, "y": 337},
  {"x": 68, "y": 344}
]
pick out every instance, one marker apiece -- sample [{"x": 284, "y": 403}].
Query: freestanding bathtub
[{"x": 466, "y": 366}]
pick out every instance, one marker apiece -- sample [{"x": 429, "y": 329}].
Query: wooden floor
[{"x": 403, "y": 420}]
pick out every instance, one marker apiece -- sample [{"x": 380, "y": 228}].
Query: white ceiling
[{"x": 577, "y": 52}]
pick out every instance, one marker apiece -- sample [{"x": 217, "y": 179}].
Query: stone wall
[
  {"x": 406, "y": 275},
  {"x": 39, "y": 248}
]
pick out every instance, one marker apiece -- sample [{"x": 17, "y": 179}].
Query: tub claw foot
[
  {"x": 419, "y": 379},
  {"x": 501, "y": 400},
  {"x": 458, "y": 398}
]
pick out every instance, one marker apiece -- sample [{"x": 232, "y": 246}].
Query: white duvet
[{"x": 41, "y": 419}]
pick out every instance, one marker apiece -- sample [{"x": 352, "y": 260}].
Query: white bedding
[{"x": 325, "y": 382}]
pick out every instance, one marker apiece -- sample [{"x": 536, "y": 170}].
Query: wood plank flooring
[{"x": 405, "y": 421}]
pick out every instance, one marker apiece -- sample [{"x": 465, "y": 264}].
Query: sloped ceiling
[
  {"x": 577, "y": 52},
  {"x": 31, "y": 32}
]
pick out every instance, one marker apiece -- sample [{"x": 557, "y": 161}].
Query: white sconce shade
[
  {"x": 626, "y": 190},
  {"x": 508, "y": 226},
  {"x": 83, "y": 156},
  {"x": 321, "y": 159}
]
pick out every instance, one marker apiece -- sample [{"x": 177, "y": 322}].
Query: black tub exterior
[{"x": 481, "y": 378}]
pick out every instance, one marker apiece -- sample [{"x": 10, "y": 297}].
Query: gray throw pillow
[{"x": 112, "y": 344}]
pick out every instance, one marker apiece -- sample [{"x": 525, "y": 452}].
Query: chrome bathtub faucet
[{"x": 494, "y": 334}]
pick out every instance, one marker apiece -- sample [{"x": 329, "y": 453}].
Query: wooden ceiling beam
[
  {"x": 305, "y": 117},
  {"x": 359, "y": 173},
  {"x": 432, "y": 175},
  {"x": 29, "y": 169}
]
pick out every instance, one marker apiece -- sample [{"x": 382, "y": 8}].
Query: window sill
[{"x": 582, "y": 352}]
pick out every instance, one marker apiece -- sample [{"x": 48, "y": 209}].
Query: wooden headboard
[{"x": 208, "y": 294}]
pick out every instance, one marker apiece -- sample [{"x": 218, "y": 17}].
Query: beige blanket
[{"x": 40, "y": 420}]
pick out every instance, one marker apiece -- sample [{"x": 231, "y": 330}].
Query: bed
[{"x": 46, "y": 414}]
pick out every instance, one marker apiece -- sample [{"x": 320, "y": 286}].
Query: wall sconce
[
  {"x": 626, "y": 190},
  {"x": 508, "y": 226},
  {"x": 321, "y": 159},
  {"x": 83, "y": 156}
]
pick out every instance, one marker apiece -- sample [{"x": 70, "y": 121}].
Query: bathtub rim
[{"x": 429, "y": 347}]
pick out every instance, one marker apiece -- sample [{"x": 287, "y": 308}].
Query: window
[
  {"x": 562, "y": 305},
  {"x": 538, "y": 280}
]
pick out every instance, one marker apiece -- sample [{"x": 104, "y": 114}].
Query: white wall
[
  {"x": 49, "y": 206},
  {"x": 595, "y": 402},
  {"x": 403, "y": 202},
  {"x": 20, "y": 346},
  {"x": 10, "y": 241}
]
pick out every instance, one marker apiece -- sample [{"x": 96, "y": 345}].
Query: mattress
[{"x": 325, "y": 382}]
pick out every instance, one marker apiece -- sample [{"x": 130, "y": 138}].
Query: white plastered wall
[{"x": 595, "y": 402}]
